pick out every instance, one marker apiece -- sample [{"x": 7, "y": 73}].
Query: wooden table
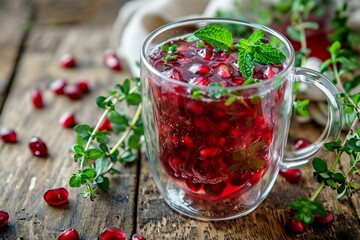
[{"x": 34, "y": 34}]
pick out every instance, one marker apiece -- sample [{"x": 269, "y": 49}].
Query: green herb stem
[{"x": 316, "y": 193}]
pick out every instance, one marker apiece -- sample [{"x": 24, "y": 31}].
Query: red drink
[{"x": 211, "y": 147}]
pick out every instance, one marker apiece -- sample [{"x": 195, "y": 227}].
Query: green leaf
[
  {"x": 118, "y": 118},
  {"x": 128, "y": 157},
  {"x": 319, "y": 209},
  {"x": 230, "y": 100},
  {"x": 125, "y": 87},
  {"x": 101, "y": 102},
  {"x": 196, "y": 93},
  {"x": 331, "y": 146},
  {"x": 79, "y": 149},
  {"x": 75, "y": 181},
  {"x": 341, "y": 191},
  {"x": 320, "y": 165},
  {"x": 293, "y": 33},
  {"x": 354, "y": 144},
  {"x": 266, "y": 54},
  {"x": 304, "y": 216},
  {"x": 83, "y": 130},
  {"x": 216, "y": 35},
  {"x": 339, "y": 178},
  {"x": 335, "y": 48},
  {"x": 246, "y": 63},
  {"x": 134, "y": 141},
  {"x": 94, "y": 153},
  {"x": 133, "y": 99},
  {"x": 104, "y": 184},
  {"x": 89, "y": 173},
  {"x": 101, "y": 165},
  {"x": 255, "y": 37}
]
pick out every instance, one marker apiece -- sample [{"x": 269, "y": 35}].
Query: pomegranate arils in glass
[
  {"x": 201, "y": 69},
  {"x": 319, "y": 220},
  {"x": 38, "y": 147},
  {"x": 112, "y": 233},
  {"x": 68, "y": 120},
  {"x": 112, "y": 61},
  {"x": 8, "y": 135},
  {"x": 294, "y": 226},
  {"x": 301, "y": 143},
  {"x": 105, "y": 125},
  {"x": 137, "y": 237},
  {"x": 224, "y": 71},
  {"x": 56, "y": 196},
  {"x": 69, "y": 234},
  {"x": 67, "y": 61},
  {"x": 57, "y": 86},
  {"x": 72, "y": 92},
  {"x": 4, "y": 218},
  {"x": 36, "y": 97},
  {"x": 82, "y": 84},
  {"x": 291, "y": 175}
]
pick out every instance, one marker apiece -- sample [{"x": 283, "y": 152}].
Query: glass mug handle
[{"x": 334, "y": 122}]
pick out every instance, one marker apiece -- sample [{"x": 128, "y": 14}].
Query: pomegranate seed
[
  {"x": 83, "y": 85},
  {"x": 214, "y": 189},
  {"x": 172, "y": 73},
  {"x": 294, "y": 226},
  {"x": 4, "y": 218},
  {"x": 137, "y": 237},
  {"x": 105, "y": 125},
  {"x": 324, "y": 220},
  {"x": 200, "y": 81},
  {"x": 239, "y": 179},
  {"x": 188, "y": 142},
  {"x": 8, "y": 135},
  {"x": 67, "y": 120},
  {"x": 36, "y": 97},
  {"x": 193, "y": 186},
  {"x": 67, "y": 61},
  {"x": 58, "y": 86},
  {"x": 72, "y": 92},
  {"x": 291, "y": 175},
  {"x": 200, "y": 69},
  {"x": 301, "y": 143},
  {"x": 69, "y": 234},
  {"x": 238, "y": 81},
  {"x": 268, "y": 72},
  {"x": 112, "y": 233},
  {"x": 112, "y": 61},
  {"x": 210, "y": 152},
  {"x": 38, "y": 147},
  {"x": 205, "y": 53},
  {"x": 56, "y": 196},
  {"x": 224, "y": 71}
]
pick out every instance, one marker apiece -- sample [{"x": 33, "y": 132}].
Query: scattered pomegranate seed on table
[
  {"x": 36, "y": 97},
  {"x": 294, "y": 226},
  {"x": 8, "y": 135},
  {"x": 4, "y": 218},
  {"x": 67, "y": 61},
  {"x": 105, "y": 125},
  {"x": 56, "y": 196},
  {"x": 67, "y": 120},
  {"x": 301, "y": 143},
  {"x": 72, "y": 92},
  {"x": 291, "y": 175},
  {"x": 57, "y": 86},
  {"x": 82, "y": 84},
  {"x": 324, "y": 220},
  {"x": 137, "y": 237},
  {"x": 38, "y": 147},
  {"x": 69, "y": 234},
  {"x": 112, "y": 61},
  {"x": 112, "y": 233}
]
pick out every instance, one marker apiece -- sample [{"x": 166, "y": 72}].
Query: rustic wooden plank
[
  {"x": 13, "y": 17},
  {"x": 157, "y": 221},
  {"x": 25, "y": 178}
]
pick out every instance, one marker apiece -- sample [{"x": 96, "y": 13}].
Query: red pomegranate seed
[
  {"x": 239, "y": 179},
  {"x": 291, "y": 175},
  {"x": 112, "y": 61},
  {"x": 105, "y": 125},
  {"x": 82, "y": 84},
  {"x": 8, "y": 135},
  {"x": 56, "y": 196},
  {"x": 200, "y": 81},
  {"x": 208, "y": 152},
  {"x": 301, "y": 143},
  {"x": 172, "y": 73},
  {"x": 294, "y": 226},
  {"x": 112, "y": 233},
  {"x": 67, "y": 120},
  {"x": 58, "y": 86},
  {"x": 137, "y": 237},
  {"x": 37, "y": 99},
  {"x": 67, "y": 61},
  {"x": 205, "y": 53},
  {"x": 4, "y": 218},
  {"x": 72, "y": 92},
  {"x": 200, "y": 69},
  {"x": 193, "y": 186},
  {"x": 69, "y": 234},
  {"x": 324, "y": 220},
  {"x": 188, "y": 142},
  {"x": 38, "y": 147},
  {"x": 214, "y": 189},
  {"x": 224, "y": 71},
  {"x": 268, "y": 72}
]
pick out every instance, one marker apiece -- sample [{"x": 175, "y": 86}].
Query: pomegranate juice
[{"x": 213, "y": 146}]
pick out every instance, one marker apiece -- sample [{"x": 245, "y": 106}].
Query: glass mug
[{"x": 212, "y": 160}]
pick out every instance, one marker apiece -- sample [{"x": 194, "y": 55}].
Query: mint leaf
[
  {"x": 255, "y": 37},
  {"x": 246, "y": 63},
  {"x": 267, "y": 54},
  {"x": 216, "y": 35}
]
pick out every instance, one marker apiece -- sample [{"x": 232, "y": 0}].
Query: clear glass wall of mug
[{"x": 215, "y": 152}]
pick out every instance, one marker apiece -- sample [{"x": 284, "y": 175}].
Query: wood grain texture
[{"x": 157, "y": 221}]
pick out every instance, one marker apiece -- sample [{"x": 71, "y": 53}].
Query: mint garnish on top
[{"x": 250, "y": 51}]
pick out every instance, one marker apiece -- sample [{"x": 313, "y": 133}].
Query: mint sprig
[{"x": 250, "y": 51}]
